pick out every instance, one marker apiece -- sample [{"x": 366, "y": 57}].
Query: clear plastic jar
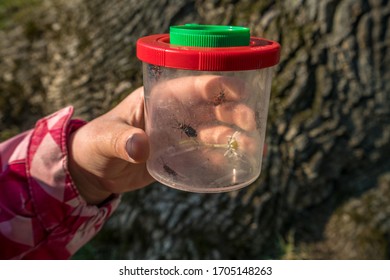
[{"x": 206, "y": 108}]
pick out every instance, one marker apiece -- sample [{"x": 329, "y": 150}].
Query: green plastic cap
[{"x": 211, "y": 36}]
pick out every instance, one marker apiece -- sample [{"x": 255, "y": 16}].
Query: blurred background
[{"x": 324, "y": 191}]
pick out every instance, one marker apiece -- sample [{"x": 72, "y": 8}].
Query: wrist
[{"x": 87, "y": 184}]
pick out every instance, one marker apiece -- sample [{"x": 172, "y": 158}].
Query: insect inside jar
[
  {"x": 167, "y": 169},
  {"x": 186, "y": 128},
  {"x": 219, "y": 98},
  {"x": 155, "y": 71}
]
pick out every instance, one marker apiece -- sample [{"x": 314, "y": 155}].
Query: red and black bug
[
  {"x": 219, "y": 98},
  {"x": 155, "y": 71}
]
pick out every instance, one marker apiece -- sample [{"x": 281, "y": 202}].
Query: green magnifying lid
[{"x": 211, "y": 36}]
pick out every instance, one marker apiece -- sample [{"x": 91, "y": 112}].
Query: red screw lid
[{"x": 157, "y": 50}]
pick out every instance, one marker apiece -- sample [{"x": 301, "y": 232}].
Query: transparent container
[{"x": 206, "y": 121}]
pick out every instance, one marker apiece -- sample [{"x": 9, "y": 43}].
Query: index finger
[{"x": 192, "y": 90}]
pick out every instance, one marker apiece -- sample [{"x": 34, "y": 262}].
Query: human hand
[
  {"x": 108, "y": 154},
  {"x": 205, "y": 110}
]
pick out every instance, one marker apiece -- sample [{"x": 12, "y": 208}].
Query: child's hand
[{"x": 108, "y": 154}]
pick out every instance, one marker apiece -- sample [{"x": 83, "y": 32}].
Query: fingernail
[
  {"x": 129, "y": 146},
  {"x": 136, "y": 148}
]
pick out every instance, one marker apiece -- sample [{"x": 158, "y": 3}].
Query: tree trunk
[{"x": 325, "y": 176}]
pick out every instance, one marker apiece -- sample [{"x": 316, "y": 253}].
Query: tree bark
[{"x": 328, "y": 129}]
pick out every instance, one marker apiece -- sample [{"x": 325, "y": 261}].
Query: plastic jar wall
[{"x": 206, "y": 109}]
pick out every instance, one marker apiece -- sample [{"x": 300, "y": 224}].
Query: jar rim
[{"x": 158, "y": 50}]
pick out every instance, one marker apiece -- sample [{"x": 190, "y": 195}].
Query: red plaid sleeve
[{"x": 42, "y": 215}]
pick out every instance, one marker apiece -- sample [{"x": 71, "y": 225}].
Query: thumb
[
  {"x": 126, "y": 142},
  {"x": 137, "y": 146}
]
